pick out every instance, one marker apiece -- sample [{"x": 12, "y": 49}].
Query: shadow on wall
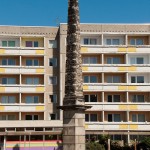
[{"x": 16, "y": 147}]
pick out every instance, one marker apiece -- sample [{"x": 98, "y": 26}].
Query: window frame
[
  {"x": 52, "y": 83},
  {"x": 89, "y": 98}
]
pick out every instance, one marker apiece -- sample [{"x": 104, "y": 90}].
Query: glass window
[
  {"x": 93, "y": 41},
  {"x": 115, "y": 41},
  {"x": 117, "y": 118},
  {"x": 132, "y": 42},
  {"x": 4, "y": 80},
  {"x": 139, "y": 42},
  {"x": 116, "y": 60},
  {"x": 109, "y": 98},
  {"x": 8, "y": 81},
  {"x": 36, "y": 44},
  {"x": 93, "y": 98},
  {"x": 52, "y": 80},
  {"x": 93, "y": 117},
  {"x": 35, "y": 80},
  {"x": 93, "y": 79},
  {"x": 93, "y": 60},
  {"x": 53, "y": 62},
  {"x": 140, "y": 60},
  {"x": 4, "y": 43},
  {"x": 86, "y": 98},
  {"x": 86, "y": 41},
  {"x": 86, "y": 79},
  {"x": 134, "y": 118},
  {"x": 116, "y": 98},
  {"x": 116, "y": 79},
  {"x": 28, "y": 117},
  {"x": 3, "y": 117},
  {"x": 133, "y": 79},
  {"x": 110, "y": 118},
  {"x": 141, "y": 118},
  {"x": 28, "y": 43},
  {"x": 53, "y": 98},
  {"x": 11, "y": 117},
  {"x": 53, "y": 116},
  {"x": 28, "y": 80},
  {"x": 85, "y": 60},
  {"x": 108, "y": 41},
  {"x": 52, "y": 44},
  {"x": 4, "y": 61},
  {"x": 36, "y": 62},
  {"x": 11, "y": 62},
  {"x": 28, "y": 62},
  {"x": 87, "y": 117},
  {"x": 140, "y": 79},
  {"x": 11, "y": 43},
  {"x": 28, "y": 99},
  {"x": 109, "y": 60}
]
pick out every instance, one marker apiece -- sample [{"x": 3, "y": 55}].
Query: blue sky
[{"x": 51, "y": 12}]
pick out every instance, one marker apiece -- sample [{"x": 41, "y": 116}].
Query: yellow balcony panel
[
  {"x": 122, "y": 49},
  {"x": 133, "y": 127},
  {"x": 124, "y": 126},
  {"x": 123, "y": 107},
  {"x": 131, "y": 49},
  {"x": 39, "y": 70},
  {"x": 2, "y": 51},
  {"x": 2, "y": 89},
  {"x": 85, "y": 87},
  {"x": 132, "y": 68},
  {"x": 2, "y": 108},
  {"x": 84, "y": 68},
  {"x": 84, "y": 49},
  {"x": 132, "y": 88},
  {"x": 86, "y": 126},
  {"x": 133, "y": 107},
  {"x": 40, "y": 89},
  {"x": 122, "y": 68},
  {"x": 40, "y": 52},
  {"x": 39, "y": 108},
  {"x": 122, "y": 88},
  {"x": 2, "y": 70}
]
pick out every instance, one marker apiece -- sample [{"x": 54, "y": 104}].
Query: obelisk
[{"x": 73, "y": 103}]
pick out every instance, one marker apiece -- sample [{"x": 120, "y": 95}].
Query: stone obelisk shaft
[{"x": 73, "y": 104}]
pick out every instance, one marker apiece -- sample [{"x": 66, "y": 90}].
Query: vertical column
[
  {"x": 126, "y": 59},
  {"x": 20, "y": 61},
  {"x": 126, "y": 40},
  {"x": 102, "y": 40},
  {"x": 4, "y": 142}
]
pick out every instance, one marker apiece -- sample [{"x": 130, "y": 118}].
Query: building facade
[{"x": 116, "y": 76}]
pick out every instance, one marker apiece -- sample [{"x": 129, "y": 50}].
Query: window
[
  {"x": 113, "y": 60},
  {"x": 114, "y": 118},
  {"x": 9, "y": 61},
  {"x": 90, "y": 41},
  {"x": 116, "y": 137},
  {"x": 53, "y": 62},
  {"x": 136, "y": 41},
  {"x": 30, "y": 80},
  {"x": 53, "y": 80},
  {"x": 138, "y": 118},
  {"x": 91, "y": 117},
  {"x": 8, "y": 43},
  {"x": 90, "y": 79},
  {"x": 7, "y": 117},
  {"x": 53, "y": 98},
  {"x": 137, "y": 79},
  {"x": 138, "y": 98},
  {"x": 32, "y": 62},
  {"x": 112, "y": 42},
  {"x": 52, "y": 44},
  {"x": 90, "y": 60},
  {"x": 32, "y": 44},
  {"x": 113, "y": 79},
  {"x": 90, "y": 98},
  {"x": 53, "y": 117},
  {"x": 31, "y": 117},
  {"x": 9, "y": 81},
  {"x": 8, "y": 99},
  {"x": 31, "y": 99},
  {"x": 136, "y": 60},
  {"x": 113, "y": 98}
]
